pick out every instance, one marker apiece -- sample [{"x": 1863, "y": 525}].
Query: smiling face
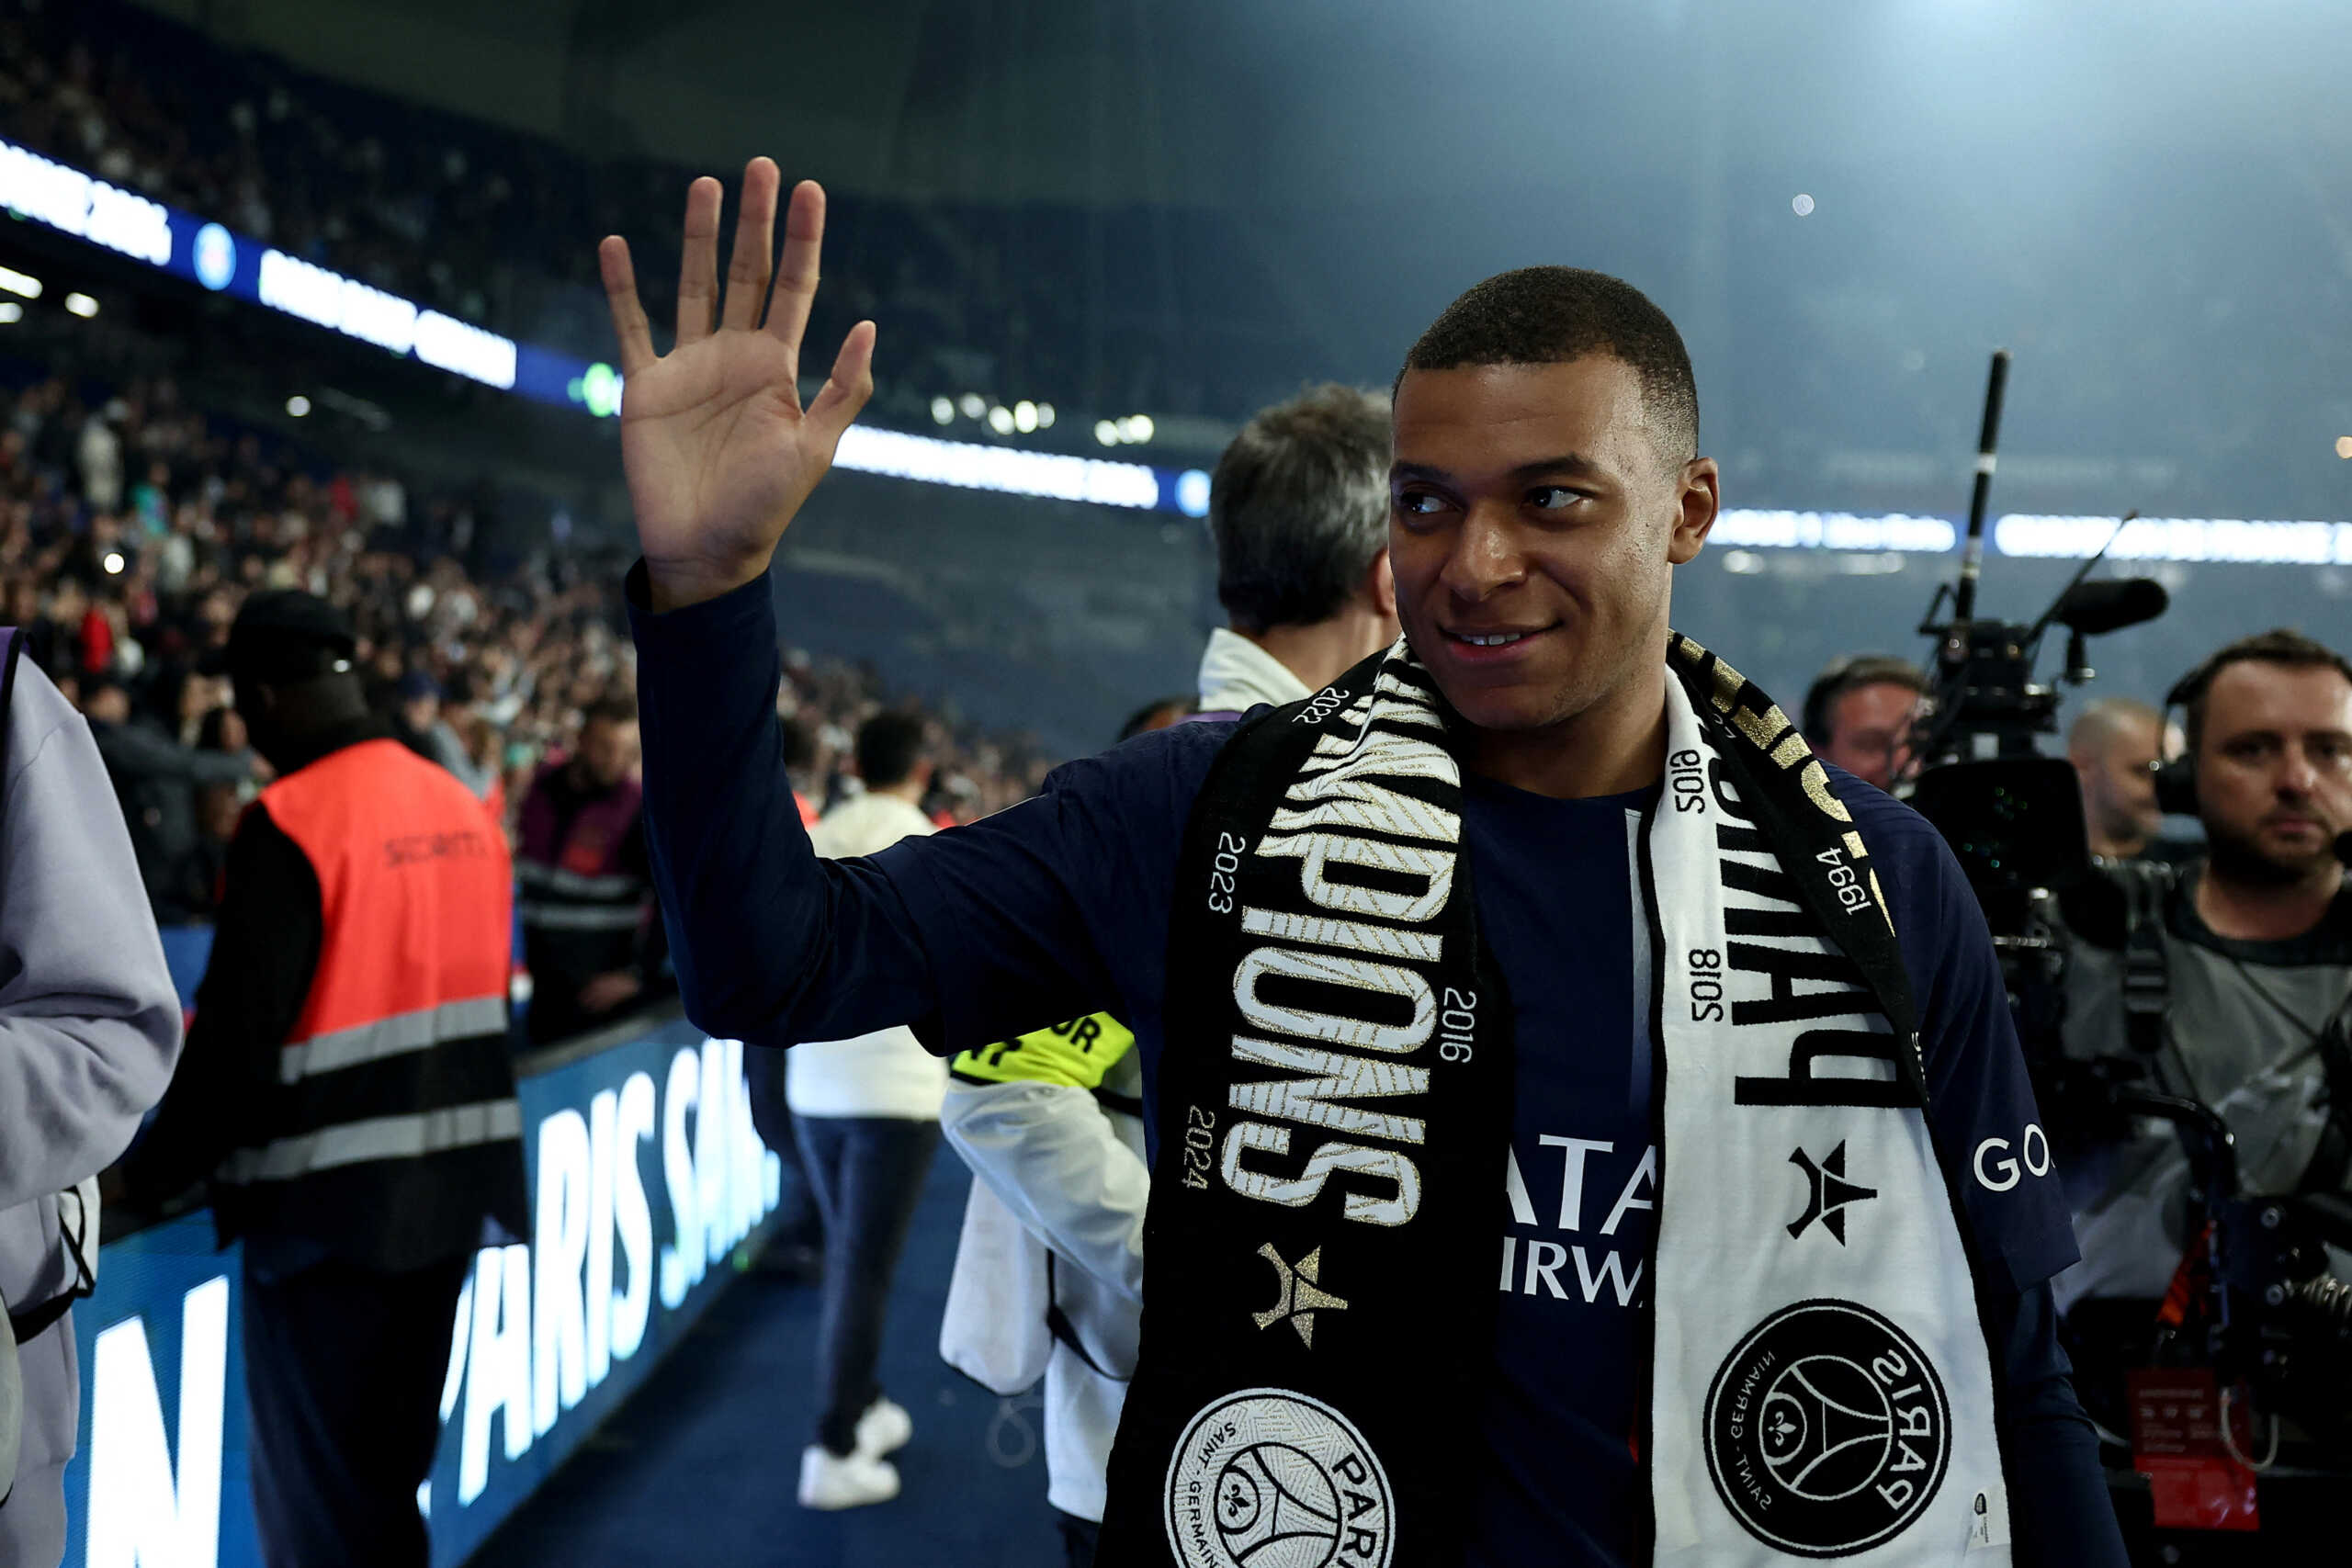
[{"x": 1535, "y": 522}]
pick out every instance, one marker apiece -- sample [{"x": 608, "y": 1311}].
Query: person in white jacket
[
  {"x": 867, "y": 1114},
  {"x": 1049, "y": 1272}
]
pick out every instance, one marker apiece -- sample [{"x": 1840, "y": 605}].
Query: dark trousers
[
  {"x": 867, "y": 1173},
  {"x": 343, "y": 1367},
  {"x": 797, "y": 1222},
  {"x": 1078, "y": 1537}
]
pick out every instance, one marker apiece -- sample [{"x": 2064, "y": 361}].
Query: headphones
[{"x": 2177, "y": 778}]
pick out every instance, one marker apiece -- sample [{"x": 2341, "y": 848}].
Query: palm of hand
[
  {"x": 718, "y": 450},
  {"x": 716, "y": 446}
]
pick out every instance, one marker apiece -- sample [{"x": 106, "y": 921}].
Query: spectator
[
  {"x": 156, "y": 779},
  {"x": 183, "y": 701},
  {"x": 27, "y": 614},
  {"x": 419, "y": 725},
  {"x": 590, "y": 936},
  {"x": 799, "y": 763},
  {"x": 219, "y": 809},
  {"x": 518, "y": 659},
  {"x": 89, "y": 1029},
  {"x": 867, "y": 1114},
  {"x": 99, "y": 456},
  {"x": 480, "y": 743},
  {"x": 59, "y": 641}
]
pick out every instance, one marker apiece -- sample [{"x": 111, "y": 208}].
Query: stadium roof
[{"x": 1244, "y": 101}]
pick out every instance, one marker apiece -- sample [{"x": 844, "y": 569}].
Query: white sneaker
[
  {"x": 884, "y": 1429},
  {"x": 831, "y": 1480}
]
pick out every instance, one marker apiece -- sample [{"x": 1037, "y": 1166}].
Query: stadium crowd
[
  {"x": 243, "y": 142},
  {"x": 133, "y": 527},
  {"x": 469, "y": 218}
]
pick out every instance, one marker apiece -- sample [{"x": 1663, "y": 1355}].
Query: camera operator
[
  {"x": 1858, "y": 713},
  {"x": 2253, "y": 945}
]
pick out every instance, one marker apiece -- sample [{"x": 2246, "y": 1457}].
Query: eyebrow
[
  {"x": 1568, "y": 463},
  {"x": 2272, "y": 733}
]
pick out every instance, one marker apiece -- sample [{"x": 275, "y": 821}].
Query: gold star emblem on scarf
[{"x": 1300, "y": 1299}]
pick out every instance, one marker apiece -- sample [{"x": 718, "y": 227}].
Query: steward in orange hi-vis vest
[
  {"x": 346, "y": 1091},
  {"x": 397, "y": 1100}
]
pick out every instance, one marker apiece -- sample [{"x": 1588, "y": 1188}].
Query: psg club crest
[
  {"x": 1265, "y": 1478},
  {"x": 1827, "y": 1431}
]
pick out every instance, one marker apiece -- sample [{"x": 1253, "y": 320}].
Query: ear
[
  {"x": 1696, "y": 498},
  {"x": 1380, "y": 585}
]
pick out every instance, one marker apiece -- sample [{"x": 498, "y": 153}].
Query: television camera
[{"x": 2254, "y": 1301}]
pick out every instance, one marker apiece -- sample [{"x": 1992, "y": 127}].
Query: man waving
[{"x": 1544, "y": 922}]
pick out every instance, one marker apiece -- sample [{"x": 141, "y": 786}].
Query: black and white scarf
[{"x": 1334, "y": 1109}]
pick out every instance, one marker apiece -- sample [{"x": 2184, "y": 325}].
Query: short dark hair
[
  {"x": 613, "y": 709},
  {"x": 2281, "y": 645},
  {"x": 1550, "y": 315},
  {"x": 799, "y": 745},
  {"x": 1851, "y": 672},
  {"x": 889, "y": 746},
  {"x": 1299, "y": 507}
]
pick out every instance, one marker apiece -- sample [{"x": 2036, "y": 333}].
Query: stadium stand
[
  {"x": 497, "y": 228},
  {"x": 132, "y": 524}
]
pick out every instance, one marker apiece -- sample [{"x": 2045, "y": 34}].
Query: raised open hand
[{"x": 719, "y": 451}]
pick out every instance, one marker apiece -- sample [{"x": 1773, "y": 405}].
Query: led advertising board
[{"x": 645, "y": 1175}]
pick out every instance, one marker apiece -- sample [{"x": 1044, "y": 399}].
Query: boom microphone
[
  {"x": 1971, "y": 560},
  {"x": 2109, "y": 604}
]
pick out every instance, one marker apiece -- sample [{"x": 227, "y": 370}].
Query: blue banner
[{"x": 646, "y": 1176}]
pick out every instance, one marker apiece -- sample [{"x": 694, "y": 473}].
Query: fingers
[
  {"x": 747, "y": 274},
  {"x": 699, "y": 272},
  {"x": 629, "y": 325},
  {"x": 796, "y": 276},
  {"x": 846, "y": 390},
  {"x": 747, "y": 280}
]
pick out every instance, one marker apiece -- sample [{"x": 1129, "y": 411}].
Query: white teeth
[{"x": 1496, "y": 639}]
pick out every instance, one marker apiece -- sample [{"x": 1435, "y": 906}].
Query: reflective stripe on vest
[
  {"x": 416, "y": 905},
  {"x": 581, "y": 917},
  {"x": 379, "y": 1138},
  {"x": 390, "y": 1037},
  {"x": 572, "y": 884}
]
